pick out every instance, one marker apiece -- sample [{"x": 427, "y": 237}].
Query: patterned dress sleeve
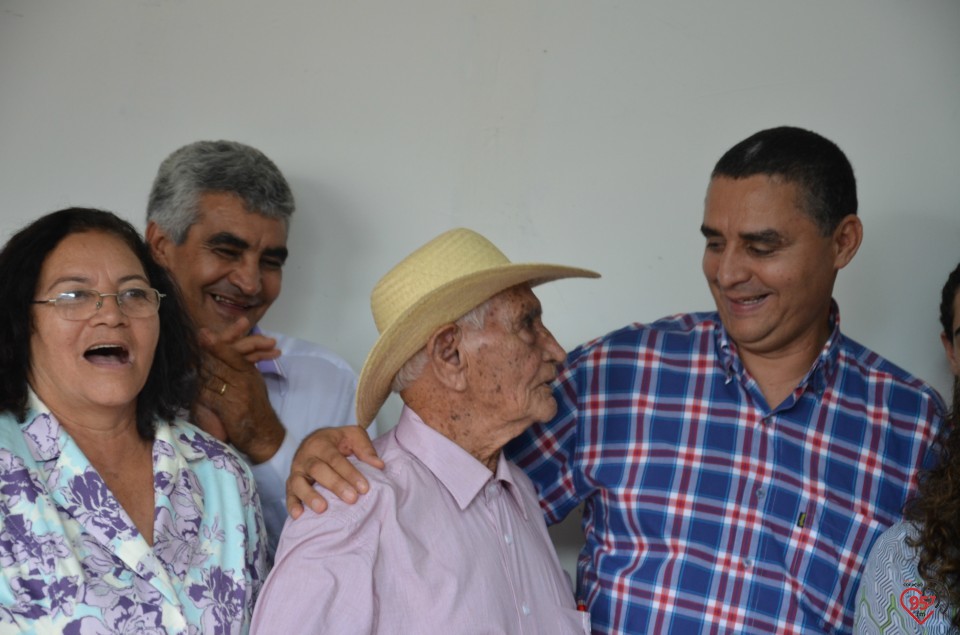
[{"x": 890, "y": 580}]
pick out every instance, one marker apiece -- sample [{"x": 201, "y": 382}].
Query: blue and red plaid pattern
[{"x": 706, "y": 511}]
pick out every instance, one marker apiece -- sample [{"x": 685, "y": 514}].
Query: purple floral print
[
  {"x": 69, "y": 554},
  {"x": 36, "y": 553},
  {"x": 96, "y": 508},
  {"x": 177, "y": 543},
  {"x": 221, "y": 600},
  {"x": 41, "y": 434},
  {"x": 223, "y": 459},
  {"x": 16, "y": 480}
]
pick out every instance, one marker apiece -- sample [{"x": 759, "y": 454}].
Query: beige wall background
[{"x": 568, "y": 131}]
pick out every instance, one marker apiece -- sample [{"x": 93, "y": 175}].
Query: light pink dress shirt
[{"x": 438, "y": 545}]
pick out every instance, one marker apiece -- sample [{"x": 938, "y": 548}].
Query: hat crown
[{"x": 449, "y": 257}]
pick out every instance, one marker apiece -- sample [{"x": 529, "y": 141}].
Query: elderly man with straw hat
[{"x": 450, "y": 537}]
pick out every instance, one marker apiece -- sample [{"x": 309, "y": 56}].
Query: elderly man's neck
[{"x": 482, "y": 437}]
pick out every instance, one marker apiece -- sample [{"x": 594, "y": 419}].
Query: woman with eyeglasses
[{"x": 114, "y": 516}]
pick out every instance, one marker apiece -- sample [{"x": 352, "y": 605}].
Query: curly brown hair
[{"x": 936, "y": 509}]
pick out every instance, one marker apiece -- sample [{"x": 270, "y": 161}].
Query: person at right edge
[
  {"x": 736, "y": 466},
  {"x": 911, "y": 583}
]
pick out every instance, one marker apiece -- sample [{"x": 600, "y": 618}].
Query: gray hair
[
  {"x": 216, "y": 166},
  {"x": 413, "y": 367}
]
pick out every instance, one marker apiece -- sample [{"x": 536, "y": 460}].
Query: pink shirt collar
[{"x": 459, "y": 471}]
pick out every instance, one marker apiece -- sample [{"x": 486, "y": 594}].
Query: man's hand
[
  {"x": 233, "y": 404},
  {"x": 321, "y": 458}
]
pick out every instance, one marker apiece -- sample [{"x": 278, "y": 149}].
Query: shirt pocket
[{"x": 825, "y": 553}]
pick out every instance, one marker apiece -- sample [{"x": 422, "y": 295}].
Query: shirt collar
[
  {"x": 820, "y": 372},
  {"x": 268, "y": 366},
  {"x": 191, "y": 443},
  {"x": 456, "y": 469},
  {"x": 34, "y": 404},
  {"x": 42, "y": 434}
]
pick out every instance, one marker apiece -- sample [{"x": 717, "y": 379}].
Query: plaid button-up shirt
[{"x": 706, "y": 510}]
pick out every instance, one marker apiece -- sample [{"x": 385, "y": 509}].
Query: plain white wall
[{"x": 568, "y": 131}]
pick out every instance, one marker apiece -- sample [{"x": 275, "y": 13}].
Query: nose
[
  {"x": 109, "y": 311},
  {"x": 552, "y": 351},
  {"x": 246, "y": 276},
  {"x": 731, "y": 268}
]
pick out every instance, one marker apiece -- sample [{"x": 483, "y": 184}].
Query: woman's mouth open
[{"x": 107, "y": 355}]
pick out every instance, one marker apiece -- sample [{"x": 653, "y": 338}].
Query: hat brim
[{"x": 447, "y": 303}]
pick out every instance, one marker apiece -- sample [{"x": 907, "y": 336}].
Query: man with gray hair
[
  {"x": 450, "y": 538},
  {"x": 218, "y": 218}
]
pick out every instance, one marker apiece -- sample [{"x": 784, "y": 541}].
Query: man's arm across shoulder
[{"x": 321, "y": 456}]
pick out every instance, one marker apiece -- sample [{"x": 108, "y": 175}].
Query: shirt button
[
  {"x": 525, "y": 608},
  {"x": 507, "y": 538},
  {"x": 748, "y": 563},
  {"x": 761, "y": 492}
]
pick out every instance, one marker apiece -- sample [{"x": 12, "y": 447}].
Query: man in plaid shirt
[{"x": 735, "y": 467}]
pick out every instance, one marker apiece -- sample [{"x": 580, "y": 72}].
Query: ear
[
  {"x": 846, "y": 240},
  {"x": 951, "y": 352},
  {"x": 161, "y": 245},
  {"x": 447, "y": 362}
]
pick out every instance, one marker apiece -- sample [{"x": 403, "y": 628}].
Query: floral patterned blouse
[{"x": 72, "y": 561}]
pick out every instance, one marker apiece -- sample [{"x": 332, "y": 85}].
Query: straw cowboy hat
[{"x": 436, "y": 285}]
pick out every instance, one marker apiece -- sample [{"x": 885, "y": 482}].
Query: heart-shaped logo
[{"x": 918, "y": 605}]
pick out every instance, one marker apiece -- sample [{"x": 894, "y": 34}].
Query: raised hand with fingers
[{"x": 234, "y": 405}]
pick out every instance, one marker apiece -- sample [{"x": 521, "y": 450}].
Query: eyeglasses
[{"x": 83, "y": 304}]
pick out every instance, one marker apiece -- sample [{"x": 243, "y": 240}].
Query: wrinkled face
[
  {"x": 951, "y": 341},
  {"x": 513, "y": 360},
  {"x": 229, "y": 266},
  {"x": 770, "y": 270},
  {"x": 100, "y": 362}
]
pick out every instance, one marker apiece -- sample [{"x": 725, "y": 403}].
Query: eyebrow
[
  {"x": 86, "y": 280},
  {"x": 709, "y": 232},
  {"x": 532, "y": 314},
  {"x": 231, "y": 240},
  {"x": 280, "y": 253},
  {"x": 766, "y": 236}
]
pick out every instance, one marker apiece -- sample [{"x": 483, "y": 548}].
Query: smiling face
[
  {"x": 514, "y": 359},
  {"x": 101, "y": 362},
  {"x": 769, "y": 268},
  {"x": 230, "y": 265}
]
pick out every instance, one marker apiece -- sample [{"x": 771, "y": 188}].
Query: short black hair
[
  {"x": 173, "y": 380},
  {"x": 947, "y": 297},
  {"x": 814, "y": 163}
]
